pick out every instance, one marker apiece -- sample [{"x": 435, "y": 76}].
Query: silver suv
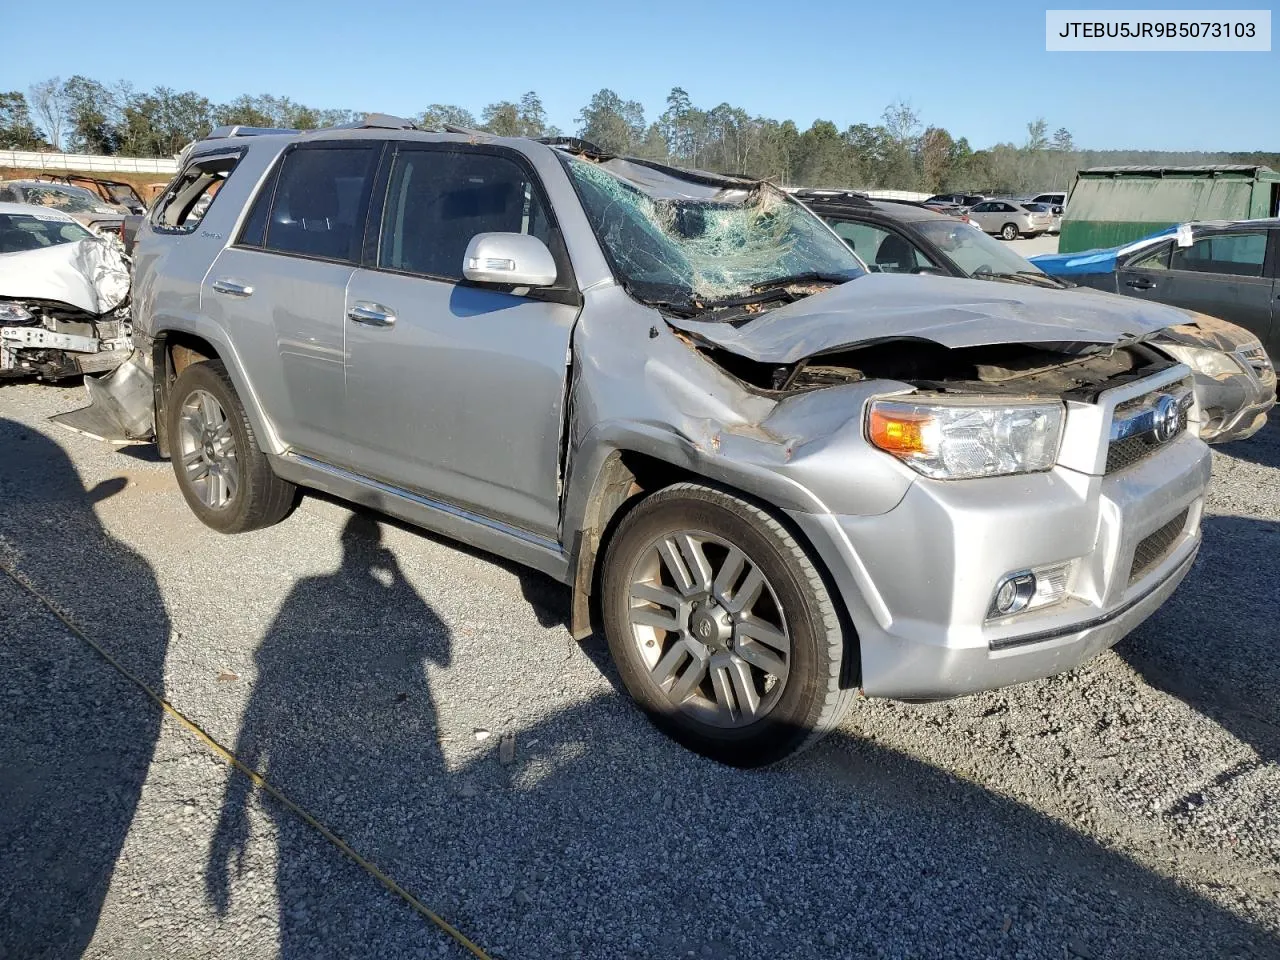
[{"x": 772, "y": 478}]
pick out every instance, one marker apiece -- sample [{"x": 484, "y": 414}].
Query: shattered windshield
[
  {"x": 20, "y": 232},
  {"x": 684, "y": 243},
  {"x": 70, "y": 199}
]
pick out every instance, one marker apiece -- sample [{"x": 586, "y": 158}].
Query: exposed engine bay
[{"x": 1071, "y": 371}]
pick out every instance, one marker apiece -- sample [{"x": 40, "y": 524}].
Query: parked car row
[{"x": 85, "y": 206}]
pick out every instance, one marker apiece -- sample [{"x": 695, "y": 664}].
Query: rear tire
[
  {"x": 722, "y": 628},
  {"x": 222, "y": 472},
  {"x": 1009, "y": 231}
]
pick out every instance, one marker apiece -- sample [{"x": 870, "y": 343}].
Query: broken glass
[{"x": 695, "y": 242}]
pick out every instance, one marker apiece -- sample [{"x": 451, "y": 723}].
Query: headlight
[
  {"x": 1211, "y": 363},
  {"x": 13, "y": 313},
  {"x": 954, "y": 440}
]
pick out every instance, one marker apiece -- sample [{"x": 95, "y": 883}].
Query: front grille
[
  {"x": 1155, "y": 546},
  {"x": 1125, "y": 453},
  {"x": 1133, "y": 434}
]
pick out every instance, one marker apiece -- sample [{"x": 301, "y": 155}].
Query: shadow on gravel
[
  {"x": 599, "y": 838},
  {"x": 341, "y": 701},
  {"x": 1213, "y": 644},
  {"x": 76, "y": 739}
]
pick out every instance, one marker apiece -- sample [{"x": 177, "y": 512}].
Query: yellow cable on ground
[{"x": 22, "y": 581}]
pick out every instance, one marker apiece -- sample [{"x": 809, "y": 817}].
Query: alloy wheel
[
  {"x": 207, "y": 449},
  {"x": 709, "y": 628}
]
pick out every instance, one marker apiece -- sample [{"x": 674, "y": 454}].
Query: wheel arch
[
  {"x": 628, "y": 476},
  {"x": 173, "y": 349}
]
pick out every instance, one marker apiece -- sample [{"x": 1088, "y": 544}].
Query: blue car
[{"x": 1227, "y": 269}]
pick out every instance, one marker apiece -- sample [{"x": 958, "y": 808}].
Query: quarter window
[
  {"x": 1238, "y": 254},
  {"x": 439, "y": 199},
  {"x": 321, "y": 201},
  {"x": 187, "y": 199}
]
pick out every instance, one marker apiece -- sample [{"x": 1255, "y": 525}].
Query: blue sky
[{"x": 978, "y": 69}]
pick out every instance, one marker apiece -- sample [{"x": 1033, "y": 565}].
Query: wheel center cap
[{"x": 710, "y": 625}]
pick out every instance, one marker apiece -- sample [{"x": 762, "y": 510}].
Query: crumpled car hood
[
  {"x": 946, "y": 310},
  {"x": 91, "y": 274}
]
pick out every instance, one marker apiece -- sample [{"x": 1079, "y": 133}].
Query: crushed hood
[
  {"x": 949, "y": 311},
  {"x": 91, "y": 274}
]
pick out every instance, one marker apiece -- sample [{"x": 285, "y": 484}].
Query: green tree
[
  {"x": 937, "y": 157},
  {"x": 502, "y": 119},
  {"x": 611, "y": 123},
  {"x": 17, "y": 132},
  {"x": 438, "y": 115},
  {"x": 93, "y": 113}
]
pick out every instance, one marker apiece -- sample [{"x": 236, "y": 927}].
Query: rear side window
[
  {"x": 439, "y": 199},
  {"x": 321, "y": 200},
  {"x": 1158, "y": 259},
  {"x": 187, "y": 199},
  {"x": 1239, "y": 254}
]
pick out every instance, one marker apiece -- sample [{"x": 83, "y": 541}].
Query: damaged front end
[{"x": 64, "y": 298}]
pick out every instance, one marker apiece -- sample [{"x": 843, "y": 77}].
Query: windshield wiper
[
  {"x": 1033, "y": 277},
  {"x": 813, "y": 276}
]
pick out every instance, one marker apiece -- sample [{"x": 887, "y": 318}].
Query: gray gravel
[{"x": 1129, "y": 809}]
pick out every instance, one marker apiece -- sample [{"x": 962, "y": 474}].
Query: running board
[{"x": 485, "y": 533}]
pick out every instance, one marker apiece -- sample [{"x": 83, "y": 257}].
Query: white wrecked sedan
[{"x": 64, "y": 295}]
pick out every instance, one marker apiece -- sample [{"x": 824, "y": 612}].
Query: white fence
[
  {"x": 30, "y": 160},
  {"x": 913, "y": 195}
]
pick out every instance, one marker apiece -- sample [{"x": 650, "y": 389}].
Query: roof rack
[
  {"x": 372, "y": 121},
  {"x": 241, "y": 130},
  {"x": 575, "y": 144},
  {"x": 818, "y": 195}
]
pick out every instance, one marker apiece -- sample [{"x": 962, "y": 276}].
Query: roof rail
[
  {"x": 380, "y": 121},
  {"x": 575, "y": 144},
  {"x": 241, "y": 130},
  {"x": 372, "y": 121},
  {"x": 465, "y": 131}
]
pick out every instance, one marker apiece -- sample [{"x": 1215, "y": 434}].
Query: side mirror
[{"x": 510, "y": 259}]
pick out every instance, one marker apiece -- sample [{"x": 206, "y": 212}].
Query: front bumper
[{"x": 917, "y": 581}]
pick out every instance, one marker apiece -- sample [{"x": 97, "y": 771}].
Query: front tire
[
  {"x": 1009, "y": 231},
  {"x": 222, "y": 473},
  {"x": 722, "y": 628}
]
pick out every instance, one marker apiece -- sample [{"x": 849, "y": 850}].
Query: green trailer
[{"x": 1109, "y": 206}]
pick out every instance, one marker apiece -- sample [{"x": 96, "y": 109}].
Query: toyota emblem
[{"x": 1168, "y": 419}]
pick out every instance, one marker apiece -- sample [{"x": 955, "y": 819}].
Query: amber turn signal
[{"x": 898, "y": 432}]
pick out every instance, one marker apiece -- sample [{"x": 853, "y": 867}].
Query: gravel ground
[{"x": 1128, "y": 809}]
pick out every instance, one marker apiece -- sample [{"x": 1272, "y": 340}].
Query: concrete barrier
[{"x": 31, "y": 160}]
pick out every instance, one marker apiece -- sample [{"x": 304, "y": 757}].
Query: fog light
[
  {"x": 1013, "y": 594},
  {"x": 1029, "y": 589}
]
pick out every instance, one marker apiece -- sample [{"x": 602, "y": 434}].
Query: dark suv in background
[{"x": 897, "y": 236}]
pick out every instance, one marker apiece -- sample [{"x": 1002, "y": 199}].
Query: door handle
[
  {"x": 371, "y": 314},
  {"x": 232, "y": 288},
  {"x": 1140, "y": 283}
]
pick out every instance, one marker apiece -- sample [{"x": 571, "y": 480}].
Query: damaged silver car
[
  {"x": 63, "y": 296},
  {"x": 771, "y": 479}
]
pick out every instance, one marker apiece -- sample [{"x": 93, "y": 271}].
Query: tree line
[{"x": 898, "y": 151}]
